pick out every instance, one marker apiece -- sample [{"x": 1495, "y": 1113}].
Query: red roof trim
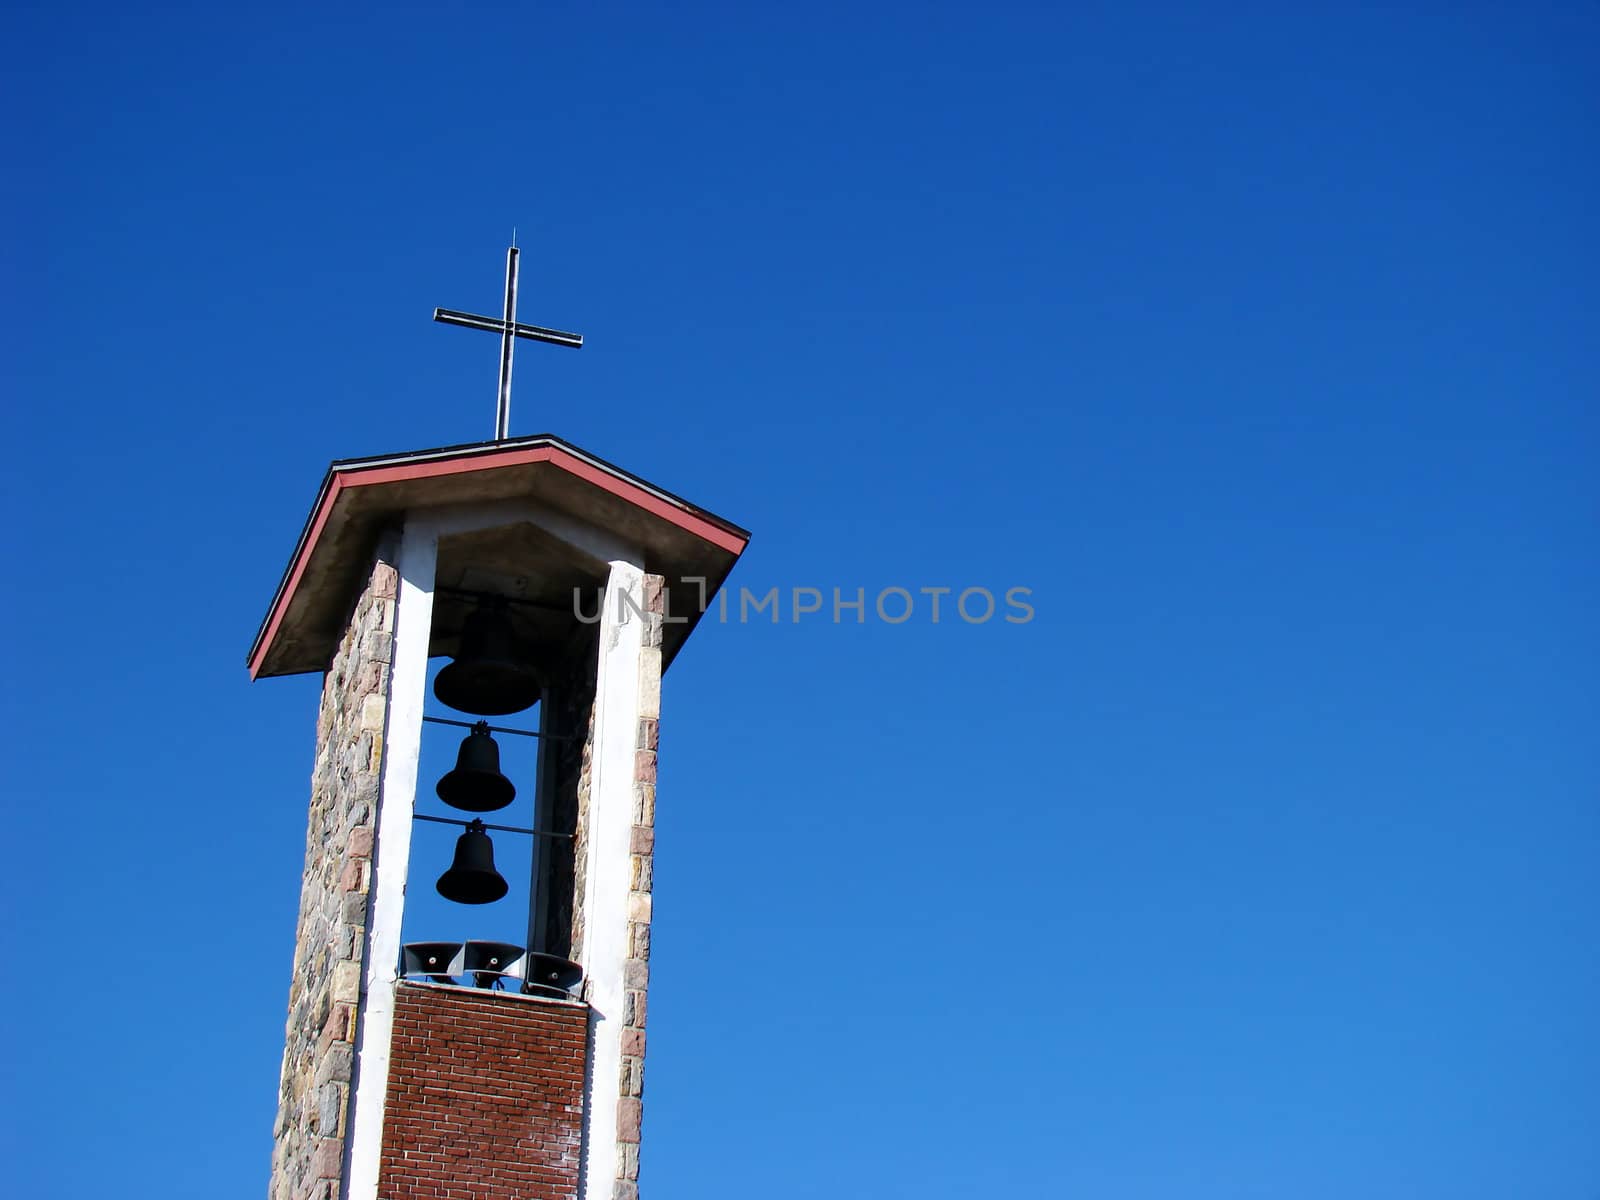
[
  {"x": 324, "y": 510},
  {"x": 353, "y": 477}
]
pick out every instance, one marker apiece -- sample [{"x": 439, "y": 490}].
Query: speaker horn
[
  {"x": 472, "y": 878},
  {"x": 487, "y": 677},
  {"x": 490, "y": 962},
  {"x": 439, "y": 961},
  {"x": 476, "y": 785},
  {"x": 547, "y": 975}
]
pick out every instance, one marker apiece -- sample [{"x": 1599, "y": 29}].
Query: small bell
[
  {"x": 476, "y": 784},
  {"x": 486, "y": 676},
  {"x": 472, "y": 878}
]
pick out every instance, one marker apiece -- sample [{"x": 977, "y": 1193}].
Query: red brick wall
[{"x": 485, "y": 1098}]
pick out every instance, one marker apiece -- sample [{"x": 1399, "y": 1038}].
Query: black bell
[
  {"x": 472, "y": 878},
  {"x": 476, "y": 784},
  {"x": 486, "y": 677}
]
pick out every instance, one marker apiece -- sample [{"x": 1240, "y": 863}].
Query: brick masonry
[
  {"x": 485, "y": 1097},
  {"x": 314, "y": 1086}
]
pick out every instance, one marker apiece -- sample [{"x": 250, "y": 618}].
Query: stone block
[
  {"x": 385, "y": 581},
  {"x": 334, "y": 1066},
  {"x": 378, "y": 646},
  {"x": 373, "y": 710},
  {"x": 634, "y": 1009},
  {"x": 321, "y": 1002},
  {"x": 639, "y": 940},
  {"x": 336, "y": 1028},
  {"x": 644, "y": 766},
  {"x": 643, "y": 872},
  {"x": 346, "y": 982},
  {"x": 650, "y": 682},
  {"x": 330, "y": 1110},
  {"x": 327, "y": 1158},
  {"x": 353, "y": 877},
  {"x": 644, "y": 804},
  {"x": 630, "y": 1116}
]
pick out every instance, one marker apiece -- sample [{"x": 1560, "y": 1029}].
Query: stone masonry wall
[
  {"x": 314, "y": 1087},
  {"x": 485, "y": 1096},
  {"x": 573, "y": 722},
  {"x": 583, "y": 773}
]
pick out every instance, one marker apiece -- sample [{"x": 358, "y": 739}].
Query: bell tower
[{"x": 467, "y": 1007}]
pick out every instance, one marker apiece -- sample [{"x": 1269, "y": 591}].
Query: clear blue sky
[{"x": 1257, "y": 340}]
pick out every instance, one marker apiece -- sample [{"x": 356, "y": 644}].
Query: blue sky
[{"x": 1256, "y": 340}]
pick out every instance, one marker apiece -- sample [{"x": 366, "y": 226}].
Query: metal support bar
[
  {"x": 486, "y": 825},
  {"x": 494, "y": 728}
]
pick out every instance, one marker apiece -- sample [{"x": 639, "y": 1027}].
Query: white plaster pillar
[{"x": 610, "y": 820}]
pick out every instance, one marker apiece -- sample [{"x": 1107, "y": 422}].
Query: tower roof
[{"x": 361, "y": 498}]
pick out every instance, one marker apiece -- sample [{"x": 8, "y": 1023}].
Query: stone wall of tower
[{"x": 314, "y": 1086}]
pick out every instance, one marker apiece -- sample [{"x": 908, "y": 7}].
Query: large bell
[
  {"x": 486, "y": 677},
  {"x": 472, "y": 878},
  {"x": 476, "y": 784}
]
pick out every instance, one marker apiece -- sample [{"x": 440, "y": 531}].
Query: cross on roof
[{"x": 509, "y": 331}]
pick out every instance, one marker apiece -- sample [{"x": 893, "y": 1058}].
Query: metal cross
[{"x": 509, "y": 331}]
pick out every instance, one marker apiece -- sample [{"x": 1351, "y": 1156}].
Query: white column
[
  {"x": 408, "y": 675},
  {"x": 610, "y": 824}
]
